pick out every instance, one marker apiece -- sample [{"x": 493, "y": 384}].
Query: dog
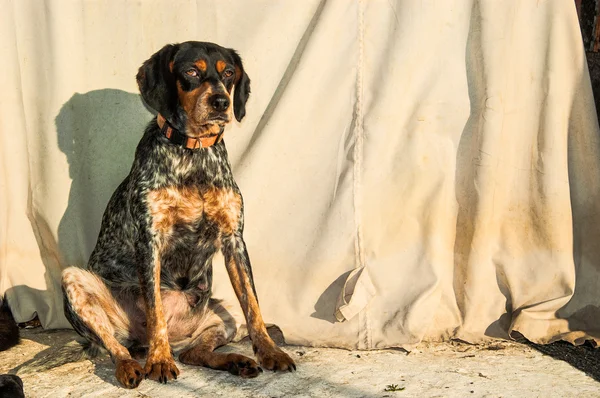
[{"x": 147, "y": 284}]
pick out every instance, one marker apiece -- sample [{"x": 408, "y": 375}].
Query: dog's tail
[{"x": 9, "y": 331}]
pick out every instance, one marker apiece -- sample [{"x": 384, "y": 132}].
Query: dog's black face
[{"x": 190, "y": 84}]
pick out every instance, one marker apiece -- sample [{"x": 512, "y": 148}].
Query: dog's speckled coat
[{"x": 148, "y": 281}]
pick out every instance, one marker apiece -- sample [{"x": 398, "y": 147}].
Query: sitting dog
[{"x": 148, "y": 280}]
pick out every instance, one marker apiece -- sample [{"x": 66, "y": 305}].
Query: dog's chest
[{"x": 183, "y": 210}]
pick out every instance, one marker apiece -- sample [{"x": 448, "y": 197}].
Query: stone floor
[{"x": 500, "y": 369}]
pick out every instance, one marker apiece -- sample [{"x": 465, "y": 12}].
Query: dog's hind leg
[
  {"x": 217, "y": 327},
  {"x": 94, "y": 314}
]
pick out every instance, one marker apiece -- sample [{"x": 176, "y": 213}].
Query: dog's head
[{"x": 190, "y": 84}]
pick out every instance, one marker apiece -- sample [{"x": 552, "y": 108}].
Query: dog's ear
[
  {"x": 242, "y": 87},
  {"x": 157, "y": 82}
]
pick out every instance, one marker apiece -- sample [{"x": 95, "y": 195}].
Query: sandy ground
[{"x": 501, "y": 369}]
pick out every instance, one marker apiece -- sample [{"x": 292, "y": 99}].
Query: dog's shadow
[
  {"x": 98, "y": 132},
  {"x": 63, "y": 347}
]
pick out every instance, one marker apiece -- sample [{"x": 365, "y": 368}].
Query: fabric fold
[{"x": 356, "y": 294}]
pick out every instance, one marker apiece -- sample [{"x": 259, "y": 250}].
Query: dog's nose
[{"x": 220, "y": 102}]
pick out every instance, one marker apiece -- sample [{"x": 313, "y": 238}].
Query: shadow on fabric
[
  {"x": 326, "y": 304},
  {"x": 98, "y": 132}
]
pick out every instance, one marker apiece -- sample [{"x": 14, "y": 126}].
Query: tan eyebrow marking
[
  {"x": 201, "y": 64},
  {"x": 221, "y": 66}
]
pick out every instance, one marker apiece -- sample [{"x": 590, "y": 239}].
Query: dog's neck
[{"x": 178, "y": 138}]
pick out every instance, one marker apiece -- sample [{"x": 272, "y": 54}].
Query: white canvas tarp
[{"x": 412, "y": 170}]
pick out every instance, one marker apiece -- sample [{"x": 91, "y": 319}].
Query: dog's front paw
[
  {"x": 129, "y": 373},
  {"x": 242, "y": 366},
  {"x": 273, "y": 358},
  {"x": 161, "y": 370}
]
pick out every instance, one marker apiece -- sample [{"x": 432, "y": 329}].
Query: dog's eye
[
  {"x": 191, "y": 72},
  {"x": 228, "y": 73}
]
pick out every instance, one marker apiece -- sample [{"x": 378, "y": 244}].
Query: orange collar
[{"x": 178, "y": 138}]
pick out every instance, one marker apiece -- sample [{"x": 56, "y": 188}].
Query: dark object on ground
[
  {"x": 11, "y": 386},
  {"x": 584, "y": 357},
  {"x": 587, "y": 20},
  {"x": 9, "y": 332},
  {"x": 593, "y": 61}
]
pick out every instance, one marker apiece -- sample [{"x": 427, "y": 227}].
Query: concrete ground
[{"x": 500, "y": 369}]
